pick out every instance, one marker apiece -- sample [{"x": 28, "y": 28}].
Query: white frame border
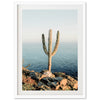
[{"x": 84, "y": 50}]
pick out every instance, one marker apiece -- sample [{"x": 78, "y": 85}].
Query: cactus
[{"x": 49, "y": 53}]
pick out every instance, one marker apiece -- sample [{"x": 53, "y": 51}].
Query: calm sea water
[{"x": 65, "y": 60}]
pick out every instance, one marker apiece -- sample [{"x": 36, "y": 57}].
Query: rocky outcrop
[{"x": 46, "y": 80}]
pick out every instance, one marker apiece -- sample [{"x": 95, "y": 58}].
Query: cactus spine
[{"x": 49, "y": 52}]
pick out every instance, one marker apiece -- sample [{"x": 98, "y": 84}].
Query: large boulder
[{"x": 46, "y": 73}]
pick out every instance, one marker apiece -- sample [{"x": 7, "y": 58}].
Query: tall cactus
[{"x": 49, "y": 52}]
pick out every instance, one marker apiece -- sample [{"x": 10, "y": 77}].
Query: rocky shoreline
[{"x": 46, "y": 80}]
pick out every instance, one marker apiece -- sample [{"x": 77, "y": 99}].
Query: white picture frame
[{"x": 81, "y": 7}]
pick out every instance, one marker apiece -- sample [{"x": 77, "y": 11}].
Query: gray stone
[
  {"x": 33, "y": 76},
  {"x": 59, "y": 74},
  {"x": 58, "y": 79},
  {"x": 51, "y": 79},
  {"x": 40, "y": 83},
  {"x": 51, "y": 85},
  {"x": 45, "y": 80},
  {"x": 55, "y": 83}
]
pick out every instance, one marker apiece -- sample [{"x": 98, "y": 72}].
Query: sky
[{"x": 38, "y": 22}]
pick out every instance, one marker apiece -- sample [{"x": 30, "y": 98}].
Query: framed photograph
[{"x": 51, "y": 50}]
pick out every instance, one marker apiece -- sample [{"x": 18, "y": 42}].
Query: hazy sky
[{"x": 36, "y": 22}]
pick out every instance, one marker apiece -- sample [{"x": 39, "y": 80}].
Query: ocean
[{"x": 65, "y": 59}]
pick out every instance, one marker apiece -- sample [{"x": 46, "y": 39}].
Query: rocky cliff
[{"x": 46, "y": 80}]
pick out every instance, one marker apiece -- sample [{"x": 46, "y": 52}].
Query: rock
[
  {"x": 59, "y": 74},
  {"x": 46, "y": 87},
  {"x": 51, "y": 79},
  {"x": 66, "y": 87},
  {"x": 73, "y": 83},
  {"x": 33, "y": 76},
  {"x": 51, "y": 85},
  {"x": 43, "y": 87},
  {"x": 43, "y": 76},
  {"x": 60, "y": 88},
  {"x": 40, "y": 84},
  {"x": 28, "y": 80},
  {"x": 47, "y": 73},
  {"x": 48, "y": 83},
  {"x": 57, "y": 87},
  {"x": 32, "y": 71},
  {"x": 31, "y": 81},
  {"x": 23, "y": 78},
  {"x": 70, "y": 78},
  {"x": 55, "y": 83},
  {"x": 75, "y": 86},
  {"x": 27, "y": 87},
  {"x": 25, "y": 71},
  {"x": 70, "y": 83},
  {"x": 58, "y": 79},
  {"x": 38, "y": 75},
  {"x": 45, "y": 80},
  {"x": 63, "y": 82}
]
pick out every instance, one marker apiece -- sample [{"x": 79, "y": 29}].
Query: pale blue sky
[{"x": 36, "y": 22}]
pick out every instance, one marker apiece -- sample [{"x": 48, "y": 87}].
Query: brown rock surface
[
  {"x": 46, "y": 80},
  {"x": 75, "y": 85},
  {"x": 63, "y": 82}
]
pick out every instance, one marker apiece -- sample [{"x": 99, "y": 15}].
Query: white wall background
[{"x": 7, "y": 49}]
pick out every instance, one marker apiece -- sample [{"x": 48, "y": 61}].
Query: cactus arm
[
  {"x": 56, "y": 45},
  {"x": 50, "y": 42},
  {"x": 44, "y": 46}
]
